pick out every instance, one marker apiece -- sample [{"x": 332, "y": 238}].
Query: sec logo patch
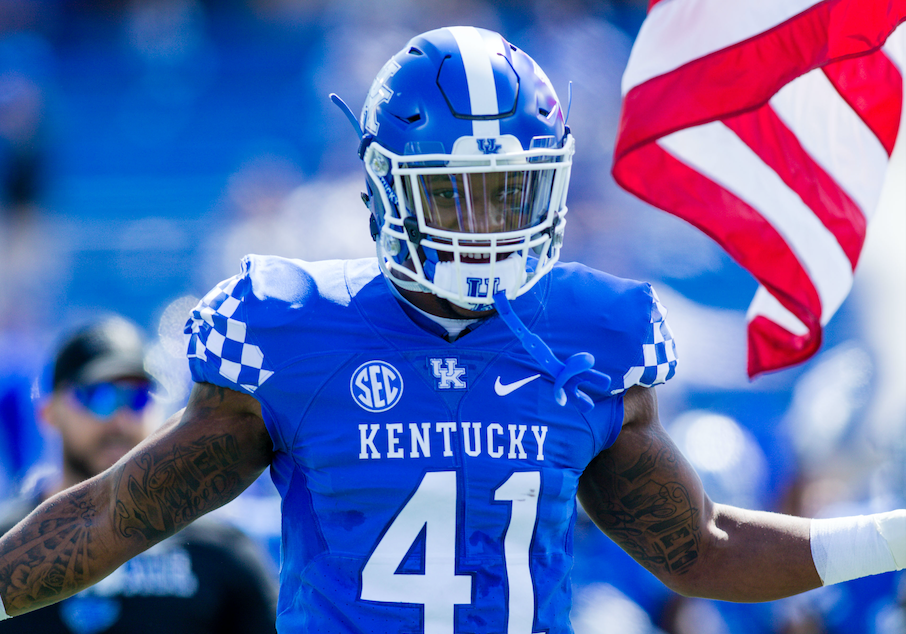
[{"x": 376, "y": 386}]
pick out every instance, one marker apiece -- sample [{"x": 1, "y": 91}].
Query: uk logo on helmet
[
  {"x": 489, "y": 146},
  {"x": 376, "y": 386},
  {"x": 379, "y": 93}
]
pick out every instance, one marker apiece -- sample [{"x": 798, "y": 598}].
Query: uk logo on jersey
[
  {"x": 376, "y": 386},
  {"x": 448, "y": 373}
]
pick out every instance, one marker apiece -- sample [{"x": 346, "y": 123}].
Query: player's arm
[
  {"x": 202, "y": 458},
  {"x": 645, "y": 495}
]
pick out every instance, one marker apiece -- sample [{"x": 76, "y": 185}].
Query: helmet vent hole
[
  {"x": 543, "y": 112},
  {"x": 415, "y": 51},
  {"x": 410, "y": 119}
]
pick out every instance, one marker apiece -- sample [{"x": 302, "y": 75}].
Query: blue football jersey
[{"x": 428, "y": 485}]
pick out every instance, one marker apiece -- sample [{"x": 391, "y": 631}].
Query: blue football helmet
[{"x": 467, "y": 159}]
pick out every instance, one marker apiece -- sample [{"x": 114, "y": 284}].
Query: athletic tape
[
  {"x": 853, "y": 547},
  {"x": 892, "y": 527}
]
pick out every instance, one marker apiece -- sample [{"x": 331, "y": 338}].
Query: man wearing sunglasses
[{"x": 209, "y": 578}]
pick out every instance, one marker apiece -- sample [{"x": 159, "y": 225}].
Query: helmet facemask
[{"x": 463, "y": 225}]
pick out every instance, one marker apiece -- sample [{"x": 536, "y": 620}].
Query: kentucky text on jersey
[{"x": 389, "y": 440}]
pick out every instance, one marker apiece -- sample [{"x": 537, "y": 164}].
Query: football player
[{"x": 431, "y": 416}]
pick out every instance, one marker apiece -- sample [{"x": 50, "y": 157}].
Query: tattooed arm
[
  {"x": 202, "y": 458},
  {"x": 646, "y": 497}
]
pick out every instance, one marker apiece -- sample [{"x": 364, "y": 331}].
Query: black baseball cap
[{"x": 105, "y": 350}]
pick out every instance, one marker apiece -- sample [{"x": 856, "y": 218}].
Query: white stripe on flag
[
  {"x": 739, "y": 170},
  {"x": 823, "y": 122},
  {"x": 680, "y": 31},
  {"x": 766, "y": 305},
  {"x": 895, "y": 48},
  {"x": 479, "y": 77}
]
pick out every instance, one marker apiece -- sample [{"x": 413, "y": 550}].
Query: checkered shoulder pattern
[
  {"x": 658, "y": 362},
  {"x": 218, "y": 336}
]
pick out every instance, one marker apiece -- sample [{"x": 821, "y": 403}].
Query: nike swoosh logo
[{"x": 503, "y": 390}]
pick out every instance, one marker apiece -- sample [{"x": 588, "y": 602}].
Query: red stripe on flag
[
  {"x": 775, "y": 144},
  {"x": 771, "y": 347},
  {"x": 708, "y": 88},
  {"x": 873, "y": 87},
  {"x": 746, "y": 236}
]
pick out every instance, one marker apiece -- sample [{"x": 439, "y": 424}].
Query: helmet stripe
[{"x": 476, "y": 57}]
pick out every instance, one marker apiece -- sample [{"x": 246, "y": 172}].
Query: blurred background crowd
[{"x": 147, "y": 145}]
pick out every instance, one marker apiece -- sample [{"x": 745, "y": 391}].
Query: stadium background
[{"x": 145, "y": 146}]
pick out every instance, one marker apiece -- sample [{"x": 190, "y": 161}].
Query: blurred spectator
[
  {"x": 210, "y": 578},
  {"x": 27, "y": 70},
  {"x": 25, "y": 66}
]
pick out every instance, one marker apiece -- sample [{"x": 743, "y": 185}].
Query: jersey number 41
[{"x": 432, "y": 508}]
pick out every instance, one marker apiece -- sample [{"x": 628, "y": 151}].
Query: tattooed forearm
[
  {"x": 163, "y": 492},
  {"x": 646, "y": 508},
  {"x": 54, "y": 558},
  {"x": 202, "y": 458}
]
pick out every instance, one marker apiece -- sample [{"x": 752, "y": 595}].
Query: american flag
[{"x": 768, "y": 124}]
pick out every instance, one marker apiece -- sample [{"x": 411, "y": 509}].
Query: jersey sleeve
[
  {"x": 656, "y": 360},
  {"x": 221, "y": 349}
]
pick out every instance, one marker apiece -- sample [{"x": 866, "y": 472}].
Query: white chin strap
[{"x": 473, "y": 280}]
